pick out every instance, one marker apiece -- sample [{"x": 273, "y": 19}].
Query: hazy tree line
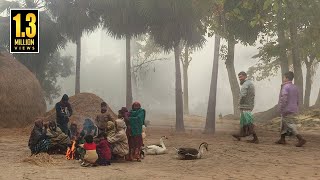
[{"x": 287, "y": 29}]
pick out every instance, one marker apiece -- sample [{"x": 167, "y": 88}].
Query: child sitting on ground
[
  {"x": 91, "y": 155},
  {"x": 88, "y": 129},
  {"x": 103, "y": 150}
]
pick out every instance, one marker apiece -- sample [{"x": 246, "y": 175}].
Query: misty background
[{"x": 103, "y": 73}]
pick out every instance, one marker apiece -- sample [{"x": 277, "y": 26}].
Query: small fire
[{"x": 71, "y": 151}]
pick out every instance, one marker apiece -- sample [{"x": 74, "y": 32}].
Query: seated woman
[
  {"x": 123, "y": 113},
  {"x": 59, "y": 140},
  {"x": 88, "y": 129},
  {"x": 38, "y": 141},
  {"x": 119, "y": 141},
  {"x": 111, "y": 129}
]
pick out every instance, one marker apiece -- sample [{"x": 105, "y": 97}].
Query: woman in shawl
[
  {"x": 59, "y": 140},
  {"x": 88, "y": 129},
  {"x": 136, "y": 119},
  {"x": 38, "y": 141},
  {"x": 119, "y": 141},
  {"x": 123, "y": 113}
]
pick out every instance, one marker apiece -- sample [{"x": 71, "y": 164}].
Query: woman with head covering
[
  {"x": 136, "y": 119},
  {"x": 59, "y": 140},
  {"x": 88, "y": 129},
  {"x": 123, "y": 113},
  {"x": 119, "y": 141},
  {"x": 103, "y": 150},
  {"x": 38, "y": 141}
]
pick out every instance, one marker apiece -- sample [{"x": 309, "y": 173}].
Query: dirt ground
[{"x": 226, "y": 158}]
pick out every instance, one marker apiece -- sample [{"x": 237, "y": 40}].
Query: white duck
[
  {"x": 156, "y": 149},
  {"x": 191, "y": 153}
]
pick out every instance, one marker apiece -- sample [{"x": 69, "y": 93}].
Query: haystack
[
  {"x": 84, "y": 105},
  {"x": 21, "y": 96},
  {"x": 307, "y": 119}
]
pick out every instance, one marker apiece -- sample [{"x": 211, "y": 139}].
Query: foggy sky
[{"x": 103, "y": 73}]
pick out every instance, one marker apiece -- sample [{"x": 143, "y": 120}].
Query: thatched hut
[
  {"x": 21, "y": 96},
  {"x": 84, "y": 105}
]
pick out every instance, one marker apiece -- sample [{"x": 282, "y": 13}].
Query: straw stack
[
  {"x": 309, "y": 118},
  {"x": 21, "y": 96},
  {"x": 84, "y": 105}
]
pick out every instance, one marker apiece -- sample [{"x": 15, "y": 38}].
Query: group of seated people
[{"x": 98, "y": 142}]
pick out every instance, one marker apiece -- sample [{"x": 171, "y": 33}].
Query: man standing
[
  {"x": 63, "y": 112},
  {"x": 288, "y": 106},
  {"x": 246, "y": 105}
]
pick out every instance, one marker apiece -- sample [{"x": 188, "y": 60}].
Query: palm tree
[
  {"x": 174, "y": 22},
  {"x": 75, "y": 17},
  {"x": 121, "y": 20}
]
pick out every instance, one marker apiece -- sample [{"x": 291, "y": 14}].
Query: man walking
[
  {"x": 246, "y": 105},
  {"x": 288, "y": 106}
]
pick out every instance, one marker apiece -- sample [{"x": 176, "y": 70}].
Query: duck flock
[{"x": 183, "y": 153}]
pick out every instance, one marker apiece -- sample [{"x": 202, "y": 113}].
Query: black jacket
[{"x": 63, "y": 112}]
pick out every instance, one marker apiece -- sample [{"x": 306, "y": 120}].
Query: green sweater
[{"x": 136, "y": 119}]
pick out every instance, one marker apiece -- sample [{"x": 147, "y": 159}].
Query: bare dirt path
[{"x": 226, "y": 159}]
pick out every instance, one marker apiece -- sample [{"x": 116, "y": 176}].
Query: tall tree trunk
[
  {"x": 78, "y": 60},
  {"x": 128, "y": 74},
  {"x": 298, "y": 76},
  {"x": 134, "y": 82},
  {"x": 281, "y": 39},
  {"x": 308, "y": 85},
  {"x": 233, "y": 77},
  {"x": 317, "y": 104},
  {"x": 179, "y": 102},
  {"x": 211, "y": 111},
  {"x": 186, "y": 81}
]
